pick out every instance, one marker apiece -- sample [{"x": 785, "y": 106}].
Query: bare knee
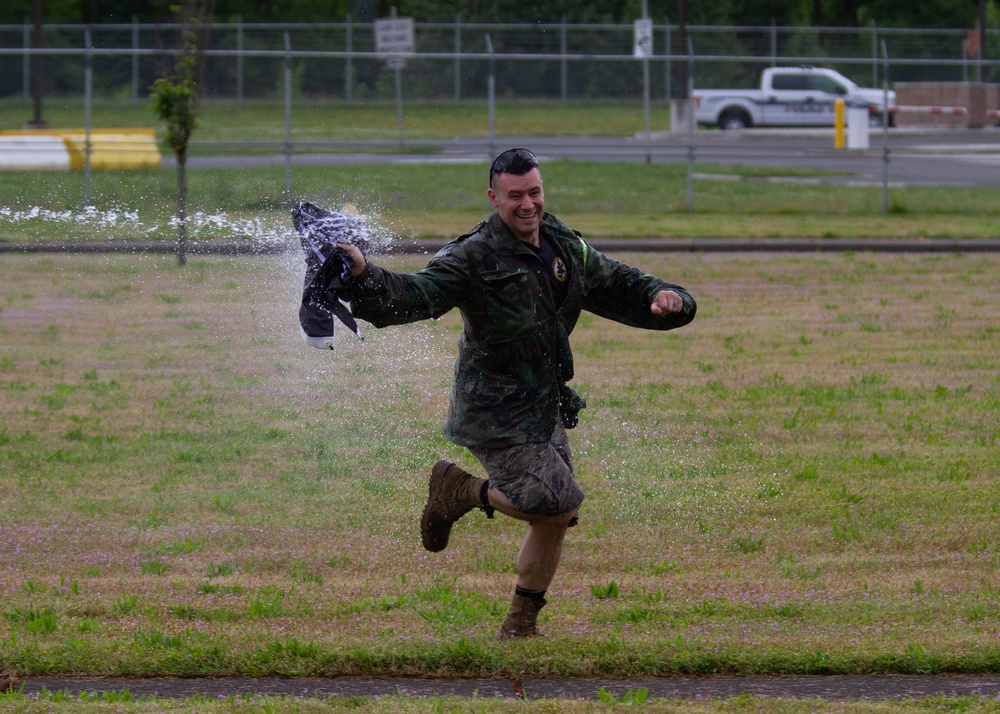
[{"x": 503, "y": 504}]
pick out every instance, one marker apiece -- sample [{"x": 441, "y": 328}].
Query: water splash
[{"x": 89, "y": 216}]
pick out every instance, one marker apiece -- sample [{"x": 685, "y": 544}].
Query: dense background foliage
[{"x": 929, "y": 13}]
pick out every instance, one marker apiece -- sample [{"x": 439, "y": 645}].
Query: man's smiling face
[{"x": 519, "y": 201}]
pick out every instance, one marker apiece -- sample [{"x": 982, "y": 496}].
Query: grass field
[
  {"x": 436, "y": 201},
  {"x": 800, "y": 481},
  {"x": 363, "y": 120},
  {"x": 441, "y": 201}
]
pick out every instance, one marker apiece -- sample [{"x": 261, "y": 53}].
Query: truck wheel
[{"x": 734, "y": 119}]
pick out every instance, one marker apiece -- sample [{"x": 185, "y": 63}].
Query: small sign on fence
[
  {"x": 643, "y": 38},
  {"x": 394, "y": 35}
]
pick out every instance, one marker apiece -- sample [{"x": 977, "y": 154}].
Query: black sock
[{"x": 531, "y": 594}]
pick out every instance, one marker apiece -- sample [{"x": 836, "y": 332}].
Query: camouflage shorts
[{"x": 537, "y": 478}]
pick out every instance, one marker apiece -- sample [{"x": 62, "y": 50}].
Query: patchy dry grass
[
  {"x": 126, "y": 704},
  {"x": 800, "y": 481}
]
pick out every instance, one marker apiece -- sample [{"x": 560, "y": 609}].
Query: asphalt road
[
  {"x": 917, "y": 157},
  {"x": 830, "y": 687}
]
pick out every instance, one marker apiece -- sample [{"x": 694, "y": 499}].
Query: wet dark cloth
[
  {"x": 327, "y": 284},
  {"x": 514, "y": 351}
]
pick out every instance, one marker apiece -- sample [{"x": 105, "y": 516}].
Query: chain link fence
[
  {"x": 289, "y": 65},
  {"x": 568, "y": 62}
]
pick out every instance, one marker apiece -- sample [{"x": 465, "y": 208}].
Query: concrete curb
[
  {"x": 610, "y": 245},
  {"x": 836, "y": 687}
]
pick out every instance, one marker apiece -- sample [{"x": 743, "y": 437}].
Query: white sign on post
[
  {"x": 394, "y": 35},
  {"x": 643, "y": 38}
]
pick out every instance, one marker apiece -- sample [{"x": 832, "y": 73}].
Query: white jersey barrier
[{"x": 34, "y": 153}]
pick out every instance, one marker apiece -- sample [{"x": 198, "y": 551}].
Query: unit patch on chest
[{"x": 559, "y": 269}]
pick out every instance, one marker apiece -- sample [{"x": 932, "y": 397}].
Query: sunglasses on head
[{"x": 515, "y": 161}]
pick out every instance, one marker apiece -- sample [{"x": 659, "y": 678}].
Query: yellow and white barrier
[{"x": 109, "y": 148}]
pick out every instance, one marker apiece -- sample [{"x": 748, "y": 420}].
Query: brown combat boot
[
  {"x": 521, "y": 620},
  {"x": 453, "y": 493}
]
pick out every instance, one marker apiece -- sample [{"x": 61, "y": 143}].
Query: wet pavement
[{"x": 833, "y": 687}]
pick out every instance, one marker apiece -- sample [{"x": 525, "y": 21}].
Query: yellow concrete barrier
[{"x": 128, "y": 148}]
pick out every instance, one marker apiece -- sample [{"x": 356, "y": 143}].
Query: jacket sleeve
[
  {"x": 624, "y": 294},
  {"x": 383, "y": 297}
]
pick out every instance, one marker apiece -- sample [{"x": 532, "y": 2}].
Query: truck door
[
  {"x": 825, "y": 90},
  {"x": 788, "y": 103}
]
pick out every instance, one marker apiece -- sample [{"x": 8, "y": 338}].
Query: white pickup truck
[{"x": 788, "y": 96}]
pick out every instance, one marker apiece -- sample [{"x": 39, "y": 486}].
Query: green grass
[
  {"x": 602, "y": 701},
  {"x": 367, "y": 120},
  {"x": 604, "y": 199},
  {"x": 442, "y": 201},
  {"x": 773, "y": 489}
]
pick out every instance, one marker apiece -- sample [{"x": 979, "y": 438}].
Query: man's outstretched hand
[
  {"x": 357, "y": 258},
  {"x": 667, "y": 302}
]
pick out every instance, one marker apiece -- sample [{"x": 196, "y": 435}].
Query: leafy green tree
[{"x": 174, "y": 98}]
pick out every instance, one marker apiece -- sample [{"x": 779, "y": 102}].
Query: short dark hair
[{"x": 513, "y": 161}]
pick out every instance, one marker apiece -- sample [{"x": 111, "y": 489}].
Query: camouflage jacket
[{"x": 514, "y": 350}]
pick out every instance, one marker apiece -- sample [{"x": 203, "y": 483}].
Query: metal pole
[
  {"x": 562, "y": 61},
  {"x": 689, "y": 112},
  {"x": 349, "y": 64},
  {"x": 288, "y": 120},
  {"x": 491, "y": 99},
  {"x": 26, "y": 64},
  {"x": 979, "y": 59},
  {"x": 458, "y": 61},
  {"x": 37, "y": 67},
  {"x": 135, "y": 60},
  {"x": 399, "y": 93},
  {"x": 874, "y": 54},
  {"x": 774, "y": 42},
  {"x": 399, "y": 105},
  {"x": 239, "y": 61},
  {"x": 667, "y": 89},
  {"x": 965, "y": 63},
  {"x": 88, "y": 90},
  {"x": 645, "y": 92},
  {"x": 885, "y": 130}
]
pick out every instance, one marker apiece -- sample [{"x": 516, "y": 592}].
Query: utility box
[{"x": 857, "y": 127}]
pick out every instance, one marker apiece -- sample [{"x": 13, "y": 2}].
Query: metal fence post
[
  {"x": 667, "y": 88},
  {"x": 562, "y": 63},
  {"x": 458, "y": 61},
  {"x": 646, "y": 90},
  {"x": 349, "y": 64},
  {"x": 26, "y": 63},
  {"x": 135, "y": 60},
  {"x": 980, "y": 52},
  {"x": 689, "y": 111},
  {"x": 874, "y": 54},
  {"x": 239, "y": 61},
  {"x": 288, "y": 119},
  {"x": 491, "y": 87},
  {"x": 88, "y": 91},
  {"x": 774, "y": 43},
  {"x": 885, "y": 130}
]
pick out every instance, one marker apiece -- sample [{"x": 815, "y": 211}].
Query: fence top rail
[
  {"x": 495, "y": 26},
  {"x": 517, "y": 56}
]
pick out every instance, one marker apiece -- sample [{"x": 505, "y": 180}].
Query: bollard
[{"x": 838, "y": 124}]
